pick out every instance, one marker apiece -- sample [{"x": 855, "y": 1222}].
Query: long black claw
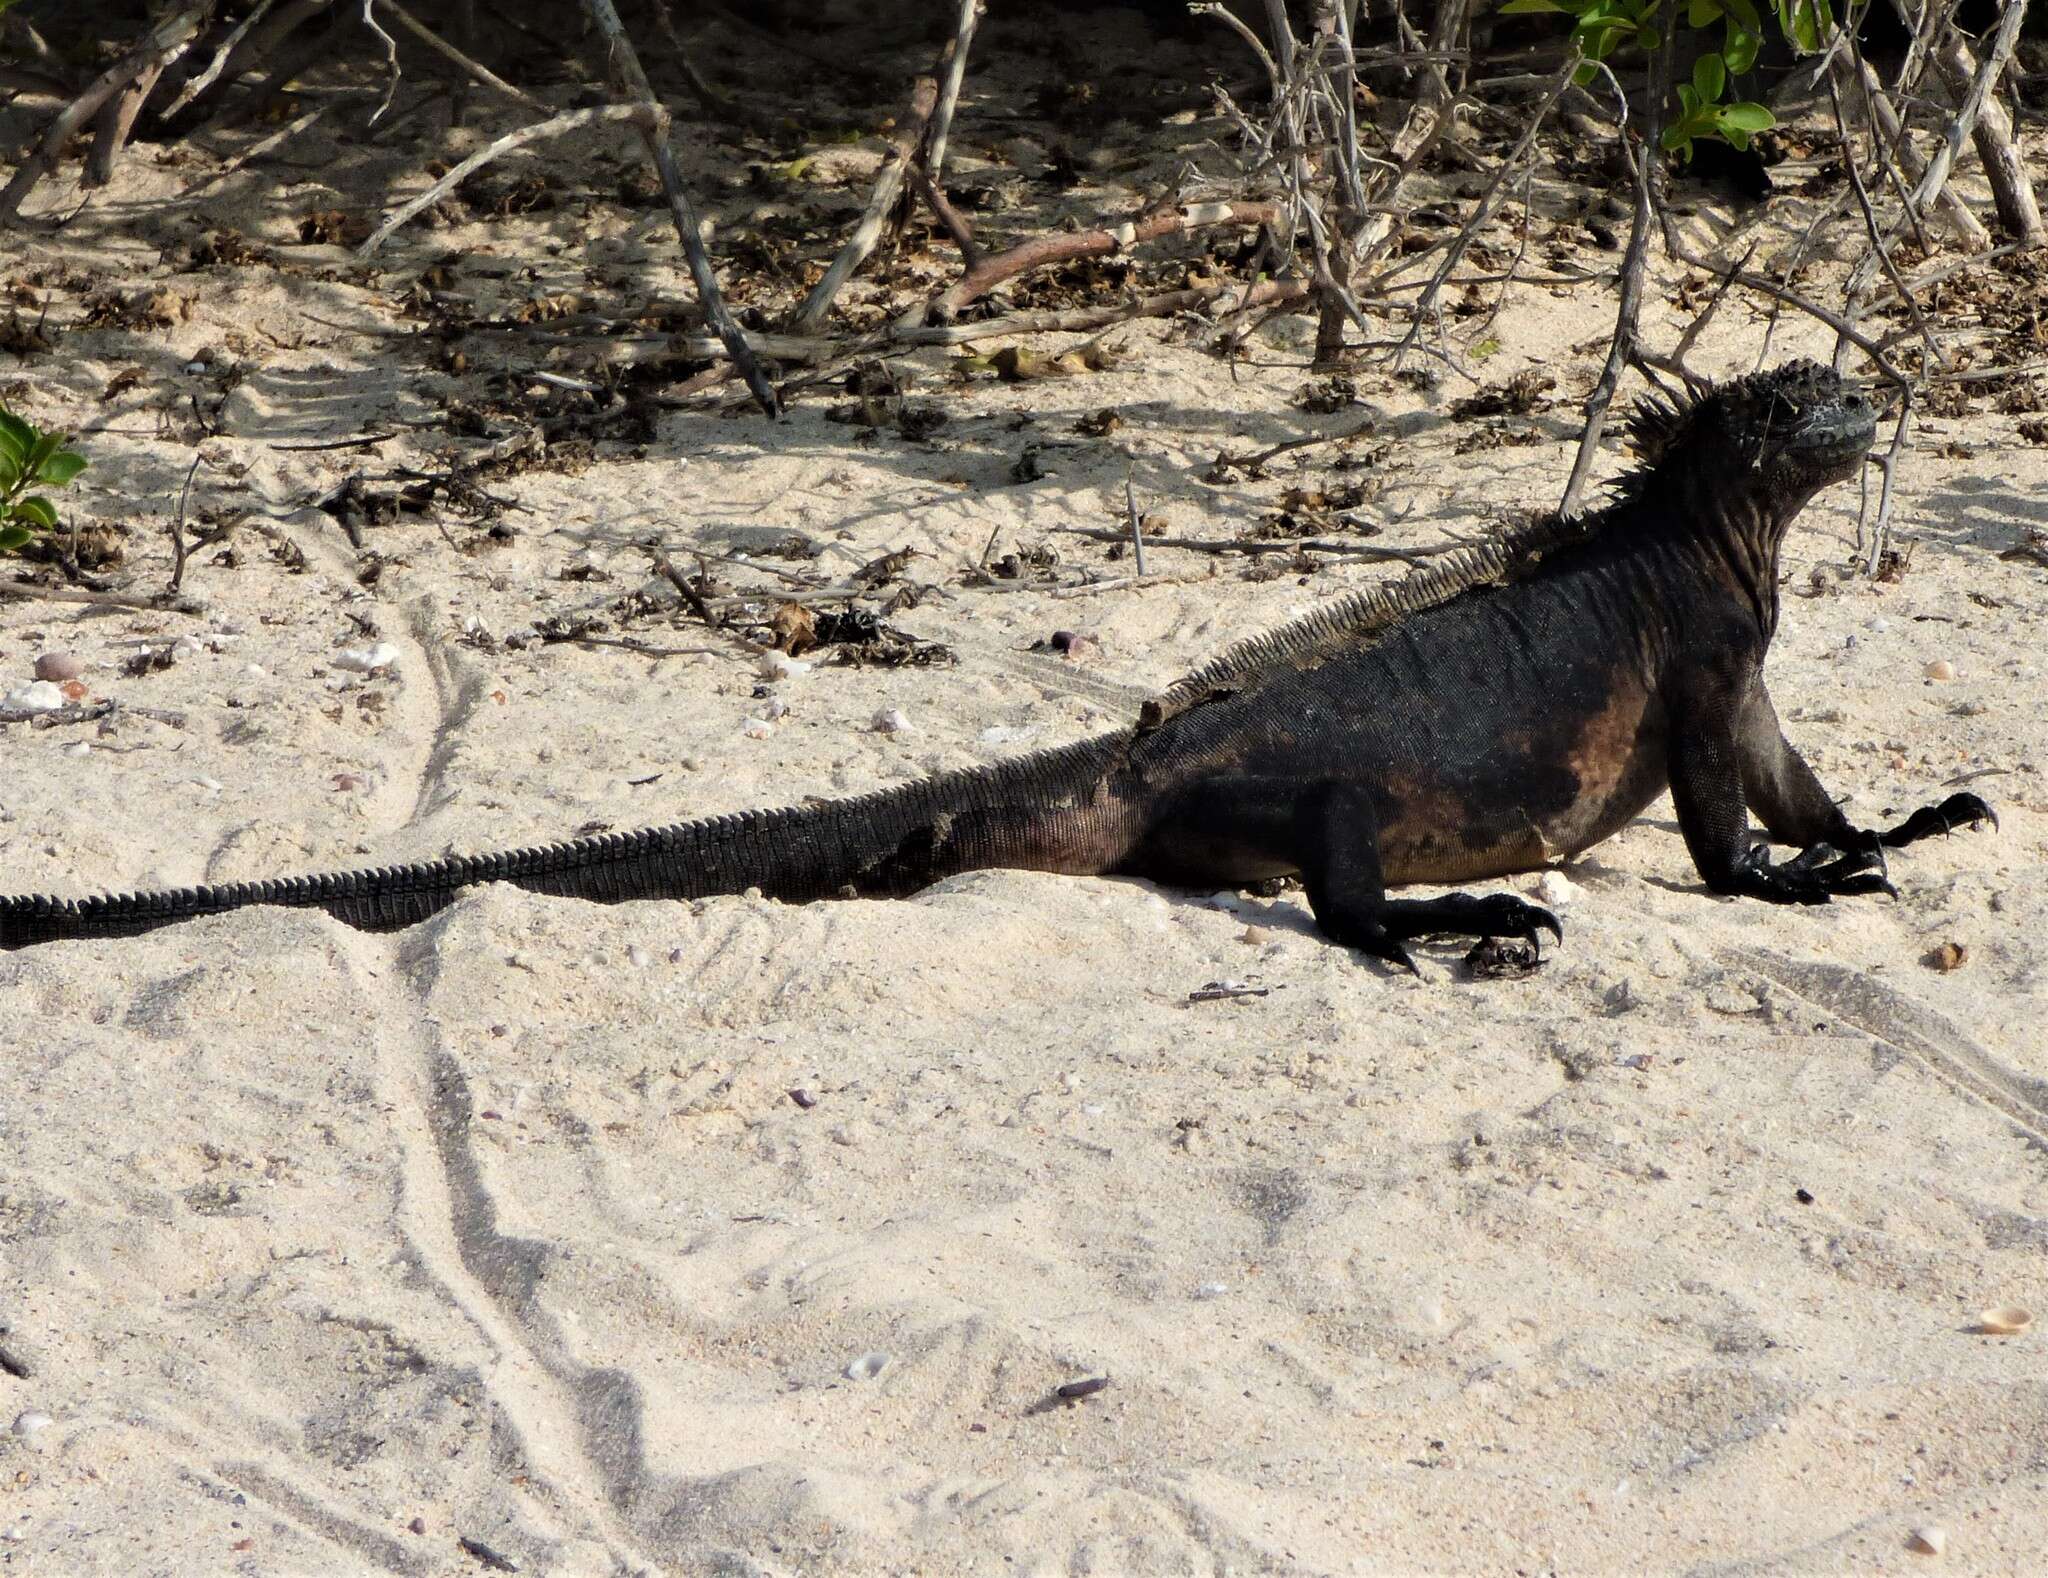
[{"x": 1958, "y": 810}]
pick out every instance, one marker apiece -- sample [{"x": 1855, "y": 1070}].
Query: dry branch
[
  {"x": 631, "y": 82},
  {"x": 474, "y": 69},
  {"x": 173, "y": 34},
  {"x": 809, "y": 317},
  {"x": 2011, "y": 191},
  {"x": 1043, "y": 250},
  {"x": 555, "y": 126}
]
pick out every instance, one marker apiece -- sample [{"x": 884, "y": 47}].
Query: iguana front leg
[
  {"x": 1727, "y": 751},
  {"x": 1795, "y": 809}
]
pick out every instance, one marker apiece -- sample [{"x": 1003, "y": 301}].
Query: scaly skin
[{"x": 1506, "y": 710}]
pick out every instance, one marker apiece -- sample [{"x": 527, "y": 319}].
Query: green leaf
[
  {"x": 1649, "y": 37},
  {"x": 17, "y": 438},
  {"x": 1735, "y": 139},
  {"x": 1745, "y": 12},
  {"x": 1527, "y": 7},
  {"x": 1746, "y": 117},
  {"x": 12, "y": 537},
  {"x": 1702, "y": 13},
  {"x": 1709, "y": 77},
  {"x": 60, "y": 468},
  {"x": 46, "y": 445},
  {"x": 1739, "y": 52},
  {"x": 1675, "y": 138},
  {"x": 1586, "y": 75},
  {"x": 36, "y": 508},
  {"x": 1690, "y": 98}
]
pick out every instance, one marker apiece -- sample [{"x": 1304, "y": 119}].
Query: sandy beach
[{"x": 742, "y": 1238}]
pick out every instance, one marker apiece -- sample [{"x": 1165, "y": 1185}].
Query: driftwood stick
[
  {"x": 632, "y": 84},
  {"x": 956, "y": 227},
  {"x": 250, "y": 42},
  {"x": 555, "y": 126},
  {"x": 1043, "y": 250},
  {"x": 200, "y": 80},
  {"x": 165, "y": 41},
  {"x": 1958, "y": 130},
  {"x": 167, "y": 602},
  {"x": 475, "y": 70},
  {"x": 810, "y": 317},
  {"x": 2012, "y": 193},
  {"x": 954, "y": 64},
  {"x": 116, "y": 120}
]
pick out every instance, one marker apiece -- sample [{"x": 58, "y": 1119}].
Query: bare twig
[
  {"x": 2019, "y": 216},
  {"x": 1255, "y": 462},
  {"x": 1622, "y": 348},
  {"x": 390, "y": 60},
  {"x": 474, "y": 69},
  {"x": 1958, "y": 130},
  {"x": 555, "y": 126},
  {"x": 201, "y": 80},
  {"x": 1425, "y": 304},
  {"x": 167, "y": 602},
  {"x": 178, "y": 522},
  {"x": 253, "y": 40},
  {"x": 809, "y": 317},
  {"x": 632, "y": 83},
  {"x": 1845, "y": 69},
  {"x": 1137, "y": 524},
  {"x": 954, "y": 66}
]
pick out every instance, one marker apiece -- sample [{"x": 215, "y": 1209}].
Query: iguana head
[{"x": 1775, "y": 439}]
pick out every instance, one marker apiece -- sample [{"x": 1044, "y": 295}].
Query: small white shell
[
  {"x": 757, "y": 728},
  {"x": 893, "y": 720},
  {"x": 780, "y": 665},
  {"x": 1556, "y": 889},
  {"x": 867, "y": 1367},
  {"x": 1941, "y": 669},
  {"x": 2007, "y": 1320},
  {"x": 1929, "y": 1540},
  {"x": 31, "y": 1422},
  {"x": 38, "y": 695},
  {"x": 367, "y": 660}
]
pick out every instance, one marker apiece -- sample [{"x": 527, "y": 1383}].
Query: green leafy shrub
[
  {"x": 1600, "y": 27},
  {"x": 30, "y": 458}
]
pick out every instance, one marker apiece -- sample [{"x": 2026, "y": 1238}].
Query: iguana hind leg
[{"x": 1329, "y": 832}]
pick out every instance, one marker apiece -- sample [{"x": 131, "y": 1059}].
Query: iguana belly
[{"x": 1541, "y": 795}]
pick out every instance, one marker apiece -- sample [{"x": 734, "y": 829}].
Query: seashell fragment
[
  {"x": 2007, "y": 1320},
  {"x": 366, "y": 660},
  {"x": 1929, "y": 1540},
  {"x": 866, "y": 1367},
  {"x": 38, "y": 695},
  {"x": 1941, "y": 670}
]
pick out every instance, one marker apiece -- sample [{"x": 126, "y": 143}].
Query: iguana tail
[{"x": 1057, "y": 810}]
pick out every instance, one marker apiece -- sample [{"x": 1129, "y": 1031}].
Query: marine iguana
[{"x": 1508, "y": 706}]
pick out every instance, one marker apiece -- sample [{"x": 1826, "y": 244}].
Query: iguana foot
[
  {"x": 1958, "y": 810},
  {"x": 1471, "y": 915},
  {"x": 1813, "y": 876}
]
